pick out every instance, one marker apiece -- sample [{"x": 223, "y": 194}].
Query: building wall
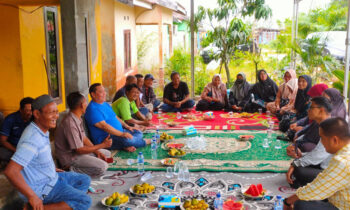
[
  {"x": 124, "y": 20},
  {"x": 21, "y": 53},
  {"x": 11, "y": 85},
  {"x": 109, "y": 72}
]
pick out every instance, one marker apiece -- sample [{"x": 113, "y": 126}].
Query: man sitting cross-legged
[
  {"x": 74, "y": 149},
  {"x": 32, "y": 170},
  {"x": 333, "y": 183},
  {"x": 102, "y": 121},
  {"x": 306, "y": 167},
  {"x": 125, "y": 108}
]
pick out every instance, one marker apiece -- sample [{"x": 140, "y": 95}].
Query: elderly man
[
  {"x": 131, "y": 79},
  {"x": 176, "y": 95},
  {"x": 32, "y": 170},
  {"x": 74, "y": 149},
  {"x": 333, "y": 183},
  {"x": 102, "y": 121},
  {"x": 13, "y": 127},
  {"x": 149, "y": 98}
]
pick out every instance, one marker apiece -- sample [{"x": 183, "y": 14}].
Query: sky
[{"x": 281, "y": 9}]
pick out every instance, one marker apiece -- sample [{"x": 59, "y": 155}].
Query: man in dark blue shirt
[{"x": 13, "y": 127}]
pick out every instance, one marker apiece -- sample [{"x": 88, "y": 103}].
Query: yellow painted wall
[
  {"x": 21, "y": 53},
  {"x": 96, "y": 64},
  {"x": 121, "y": 10},
  {"x": 11, "y": 85}
]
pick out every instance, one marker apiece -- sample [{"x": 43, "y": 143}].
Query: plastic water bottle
[
  {"x": 278, "y": 203},
  {"x": 218, "y": 203},
  {"x": 140, "y": 164},
  {"x": 178, "y": 115},
  {"x": 154, "y": 148},
  {"x": 158, "y": 137},
  {"x": 252, "y": 96}
]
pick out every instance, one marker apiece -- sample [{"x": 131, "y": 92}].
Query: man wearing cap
[
  {"x": 13, "y": 127},
  {"x": 32, "y": 170},
  {"x": 149, "y": 99},
  {"x": 102, "y": 121}
]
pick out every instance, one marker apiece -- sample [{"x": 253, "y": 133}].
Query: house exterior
[{"x": 59, "y": 46}]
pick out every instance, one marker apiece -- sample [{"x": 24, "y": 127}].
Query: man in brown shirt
[{"x": 73, "y": 149}]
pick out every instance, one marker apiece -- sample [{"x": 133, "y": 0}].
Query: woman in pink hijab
[{"x": 286, "y": 94}]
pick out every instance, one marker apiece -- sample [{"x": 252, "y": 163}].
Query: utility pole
[
  {"x": 192, "y": 49},
  {"x": 294, "y": 31},
  {"x": 347, "y": 55}
]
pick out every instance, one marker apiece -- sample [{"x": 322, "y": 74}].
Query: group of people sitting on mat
[{"x": 313, "y": 118}]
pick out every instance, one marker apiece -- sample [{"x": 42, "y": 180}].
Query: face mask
[{"x": 239, "y": 81}]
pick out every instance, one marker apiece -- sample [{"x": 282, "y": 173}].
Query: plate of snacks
[
  {"x": 176, "y": 153},
  {"x": 254, "y": 191},
  {"x": 169, "y": 161},
  {"x": 143, "y": 189},
  {"x": 232, "y": 205},
  {"x": 165, "y": 137},
  {"x": 245, "y": 115},
  {"x": 174, "y": 145},
  {"x": 115, "y": 200},
  {"x": 195, "y": 204},
  {"x": 246, "y": 137}
]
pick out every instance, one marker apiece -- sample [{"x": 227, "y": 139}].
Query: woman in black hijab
[
  {"x": 264, "y": 91},
  {"x": 337, "y": 100},
  {"x": 302, "y": 100}
]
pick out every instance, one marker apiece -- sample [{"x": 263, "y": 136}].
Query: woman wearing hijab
[
  {"x": 337, "y": 100},
  {"x": 264, "y": 91},
  {"x": 286, "y": 94},
  {"x": 213, "y": 96},
  {"x": 239, "y": 93},
  {"x": 302, "y": 100}
]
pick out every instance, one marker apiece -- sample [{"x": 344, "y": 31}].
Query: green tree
[{"x": 228, "y": 30}]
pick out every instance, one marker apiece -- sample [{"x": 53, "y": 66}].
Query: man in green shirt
[{"x": 125, "y": 108}]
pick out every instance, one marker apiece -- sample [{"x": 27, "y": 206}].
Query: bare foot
[
  {"x": 148, "y": 141},
  {"x": 130, "y": 149}
]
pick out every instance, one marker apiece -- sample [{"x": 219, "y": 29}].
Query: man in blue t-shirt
[
  {"x": 13, "y": 127},
  {"x": 102, "y": 121}
]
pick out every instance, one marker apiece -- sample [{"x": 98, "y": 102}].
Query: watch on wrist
[{"x": 285, "y": 202}]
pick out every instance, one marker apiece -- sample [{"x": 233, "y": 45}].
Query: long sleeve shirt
[
  {"x": 318, "y": 156},
  {"x": 333, "y": 183}
]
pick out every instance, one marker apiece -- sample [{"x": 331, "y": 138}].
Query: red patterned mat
[{"x": 222, "y": 121}]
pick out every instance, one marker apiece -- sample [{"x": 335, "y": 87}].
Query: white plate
[
  {"x": 132, "y": 191},
  {"x": 103, "y": 201},
  {"x": 163, "y": 161}
]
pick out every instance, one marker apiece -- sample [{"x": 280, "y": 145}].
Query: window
[
  {"x": 127, "y": 50},
  {"x": 52, "y": 53}
]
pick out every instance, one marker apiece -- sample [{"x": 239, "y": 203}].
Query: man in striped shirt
[{"x": 333, "y": 183}]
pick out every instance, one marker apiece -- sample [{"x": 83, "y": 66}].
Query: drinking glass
[
  {"x": 278, "y": 144},
  {"x": 260, "y": 110},
  {"x": 265, "y": 143},
  {"x": 177, "y": 167},
  {"x": 268, "y": 114},
  {"x": 169, "y": 173}
]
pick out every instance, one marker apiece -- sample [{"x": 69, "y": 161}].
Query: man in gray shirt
[
  {"x": 307, "y": 166},
  {"x": 73, "y": 149}
]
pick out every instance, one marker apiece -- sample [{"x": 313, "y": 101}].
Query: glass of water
[
  {"x": 177, "y": 167},
  {"x": 265, "y": 143},
  {"x": 268, "y": 113},
  {"x": 260, "y": 110},
  {"x": 169, "y": 173},
  {"x": 278, "y": 144}
]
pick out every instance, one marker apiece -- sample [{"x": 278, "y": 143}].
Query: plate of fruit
[
  {"x": 143, "y": 189},
  {"x": 245, "y": 137},
  {"x": 245, "y": 115},
  {"x": 174, "y": 145},
  {"x": 176, "y": 152},
  {"x": 115, "y": 200},
  {"x": 232, "y": 205},
  {"x": 255, "y": 191},
  {"x": 169, "y": 161},
  {"x": 195, "y": 204},
  {"x": 165, "y": 137}
]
